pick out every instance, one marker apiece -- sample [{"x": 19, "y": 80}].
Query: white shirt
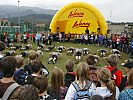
[
  {"x": 71, "y": 91},
  {"x": 104, "y": 92}
]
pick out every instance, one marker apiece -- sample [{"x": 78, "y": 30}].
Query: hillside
[{"x": 12, "y": 11}]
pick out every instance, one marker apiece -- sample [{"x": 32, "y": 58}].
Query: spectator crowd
[{"x": 29, "y": 81}]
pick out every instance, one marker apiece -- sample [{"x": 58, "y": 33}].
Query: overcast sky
[{"x": 114, "y": 10}]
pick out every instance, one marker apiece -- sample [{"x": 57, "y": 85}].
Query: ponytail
[
  {"x": 105, "y": 76},
  {"x": 111, "y": 85}
]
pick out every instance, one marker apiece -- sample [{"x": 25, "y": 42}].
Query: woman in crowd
[
  {"x": 81, "y": 81},
  {"x": 108, "y": 89},
  {"x": 127, "y": 94},
  {"x": 56, "y": 90}
]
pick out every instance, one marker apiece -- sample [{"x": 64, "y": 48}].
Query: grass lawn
[{"x": 62, "y": 59}]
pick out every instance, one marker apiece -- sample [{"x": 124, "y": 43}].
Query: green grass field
[{"x": 62, "y": 59}]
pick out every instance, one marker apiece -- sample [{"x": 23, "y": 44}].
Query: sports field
[{"x": 64, "y": 57}]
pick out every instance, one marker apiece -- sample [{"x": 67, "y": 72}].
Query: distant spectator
[
  {"x": 33, "y": 37},
  {"x": 41, "y": 83},
  {"x": 56, "y": 90},
  {"x": 116, "y": 73},
  {"x": 127, "y": 94},
  {"x": 70, "y": 75},
  {"x": 25, "y": 37},
  {"x": 38, "y": 38},
  {"x": 108, "y": 89}
]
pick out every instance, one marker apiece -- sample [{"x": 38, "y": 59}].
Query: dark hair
[
  {"x": 41, "y": 82},
  {"x": 90, "y": 59},
  {"x": 36, "y": 66},
  {"x": 29, "y": 92},
  {"x": 8, "y": 65},
  {"x": 97, "y": 97},
  {"x": 69, "y": 65},
  {"x": 2, "y": 46}
]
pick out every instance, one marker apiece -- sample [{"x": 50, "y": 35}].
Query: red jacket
[{"x": 118, "y": 75}]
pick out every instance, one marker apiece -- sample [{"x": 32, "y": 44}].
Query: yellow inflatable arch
[{"x": 77, "y": 17}]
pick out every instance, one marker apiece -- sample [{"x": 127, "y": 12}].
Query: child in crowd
[
  {"x": 81, "y": 83},
  {"x": 92, "y": 69},
  {"x": 21, "y": 72},
  {"x": 108, "y": 89},
  {"x": 127, "y": 94},
  {"x": 8, "y": 67},
  {"x": 70, "y": 75},
  {"x": 41, "y": 83},
  {"x": 116, "y": 73},
  {"x": 26, "y": 92},
  {"x": 57, "y": 90},
  {"x": 38, "y": 69}
]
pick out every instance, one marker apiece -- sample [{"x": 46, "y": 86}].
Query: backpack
[
  {"x": 82, "y": 94},
  {"x": 123, "y": 81},
  {"x": 20, "y": 76}
]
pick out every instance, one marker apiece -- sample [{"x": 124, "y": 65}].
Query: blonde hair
[
  {"x": 112, "y": 60},
  {"x": 105, "y": 76},
  {"x": 82, "y": 73},
  {"x": 57, "y": 79},
  {"x": 130, "y": 77}
]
